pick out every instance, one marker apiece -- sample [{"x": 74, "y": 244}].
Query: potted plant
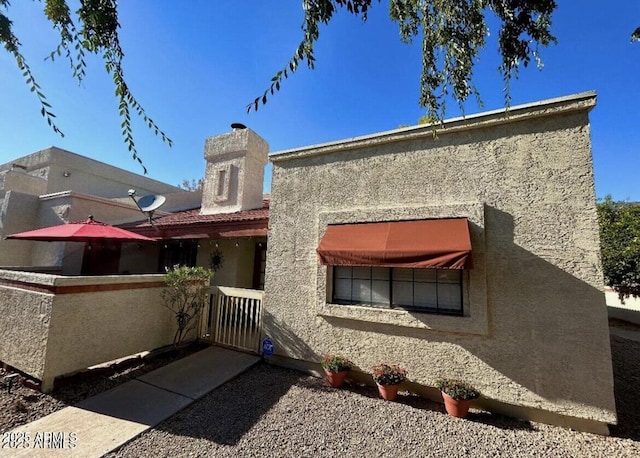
[
  {"x": 388, "y": 377},
  {"x": 457, "y": 396},
  {"x": 336, "y": 368}
]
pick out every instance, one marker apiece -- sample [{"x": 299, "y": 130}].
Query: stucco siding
[
  {"x": 24, "y": 329},
  {"x": 238, "y": 260},
  {"x": 91, "y": 328},
  {"x": 64, "y": 170},
  {"x": 52, "y": 325},
  {"x": 534, "y": 331},
  {"x": 23, "y": 209}
]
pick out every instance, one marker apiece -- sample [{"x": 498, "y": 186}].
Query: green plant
[
  {"x": 620, "y": 245},
  {"x": 388, "y": 374},
  {"x": 336, "y": 363},
  {"x": 185, "y": 294},
  {"x": 457, "y": 389}
]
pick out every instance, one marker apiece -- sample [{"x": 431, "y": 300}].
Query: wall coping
[
  {"x": 583, "y": 101},
  {"x": 52, "y": 280},
  {"x": 114, "y": 202}
]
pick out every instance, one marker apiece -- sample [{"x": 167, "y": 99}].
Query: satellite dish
[
  {"x": 148, "y": 204},
  {"x": 151, "y": 203}
]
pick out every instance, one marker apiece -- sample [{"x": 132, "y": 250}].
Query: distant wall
[
  {"x": 25, "y": 212},
  {"x": 23, "y": 209},
  {"x": 63, "y": 170},
  {"x": 627, "y": 311}
]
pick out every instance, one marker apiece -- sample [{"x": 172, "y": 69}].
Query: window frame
[{"x": 391, "y": 303}]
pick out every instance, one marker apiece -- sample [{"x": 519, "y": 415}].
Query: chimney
[{"x": 235, "y": 171}]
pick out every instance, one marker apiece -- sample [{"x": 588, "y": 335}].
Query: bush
[{"x": 185, "y": 295}]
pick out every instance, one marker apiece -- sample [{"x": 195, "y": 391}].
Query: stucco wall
[
  {"x": 23, "y": 209},
  {"x": 234, "y": 173},
  {"x": 94, "y": 327},
  {"x": 24, "y": 326},
  {"x": 64, "y": 170},
  {"x": 52, "y": 325},
  {"x": 26, "y": 212},
  {"x": 238, "y": 261},
  {"x": 534, "y": 331}
]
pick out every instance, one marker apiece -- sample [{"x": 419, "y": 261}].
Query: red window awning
[{"x": 433, "y": 243}]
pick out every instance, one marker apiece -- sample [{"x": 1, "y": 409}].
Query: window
[
  {"x": 424, "y": 290},
  {"x": 173, "y": 252}
]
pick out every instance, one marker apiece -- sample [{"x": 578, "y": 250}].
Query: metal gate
[{"x": 233, "y": 318}]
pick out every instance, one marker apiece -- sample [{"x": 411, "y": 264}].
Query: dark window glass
[{"x": 424, "y": 290}]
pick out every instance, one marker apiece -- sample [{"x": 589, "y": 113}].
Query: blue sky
[{"x": 195, "y": 65}]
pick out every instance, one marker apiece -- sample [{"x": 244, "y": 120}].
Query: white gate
[{"x": 233, "y": 318}]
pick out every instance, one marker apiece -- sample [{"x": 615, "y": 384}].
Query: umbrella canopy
[{"x": 84, "y": 231}]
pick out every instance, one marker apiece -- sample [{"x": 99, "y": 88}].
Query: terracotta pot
[
  {"x": 336, "y": 379},
  {"x": 388, "y": 392},
  {"x": 456, "y": 407}
]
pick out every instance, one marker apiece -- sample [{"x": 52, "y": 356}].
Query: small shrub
[
  {"x": 336, "y": 363},
  {"x": 388, "y": 374},
  {"x": 185, "y": 293},
  {"x": 457, "y": 389}
]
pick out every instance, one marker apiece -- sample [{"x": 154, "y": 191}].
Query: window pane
[
  {"x": 425, "y": 294},
  {"x": 402, "y": 292},
  {"x": 380, "y": 273},
  {"x": 342, "y": 272},
  {"x": 342, "y": 289},
  {"x": 380, "y": 292},
  {"x": 449, "y": 275},
  {"x": 402, "y": 274},
  {"x": 361, "y": 291},
  {"x": 361, "y": 272},
  {"x": 449, "y": 297},
  {"x": 430, "y": 290},
  {"x": 425, "y": 275}
]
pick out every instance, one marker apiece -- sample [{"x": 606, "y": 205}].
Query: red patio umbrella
[{"x": 83, "y": 231}]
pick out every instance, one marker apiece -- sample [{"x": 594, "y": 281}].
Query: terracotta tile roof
[{"x": 191, "y": 224}]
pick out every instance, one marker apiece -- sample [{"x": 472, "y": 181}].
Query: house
[
  {"x": 468, "y": 249},
  {"x": 56, "y": 320},
  {"x": 54, "y": 186},
  {"x": 227, "y": 230}
]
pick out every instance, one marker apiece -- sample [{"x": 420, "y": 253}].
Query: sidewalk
[{"x": 102, "y": 423}]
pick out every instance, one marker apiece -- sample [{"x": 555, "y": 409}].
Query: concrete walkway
[{"x": 102, "y": 423}]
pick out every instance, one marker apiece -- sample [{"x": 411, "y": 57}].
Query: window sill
[{"x": 404, "y": 318}]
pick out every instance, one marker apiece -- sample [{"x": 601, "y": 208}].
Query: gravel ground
[{"x": 273, "y": 412}]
